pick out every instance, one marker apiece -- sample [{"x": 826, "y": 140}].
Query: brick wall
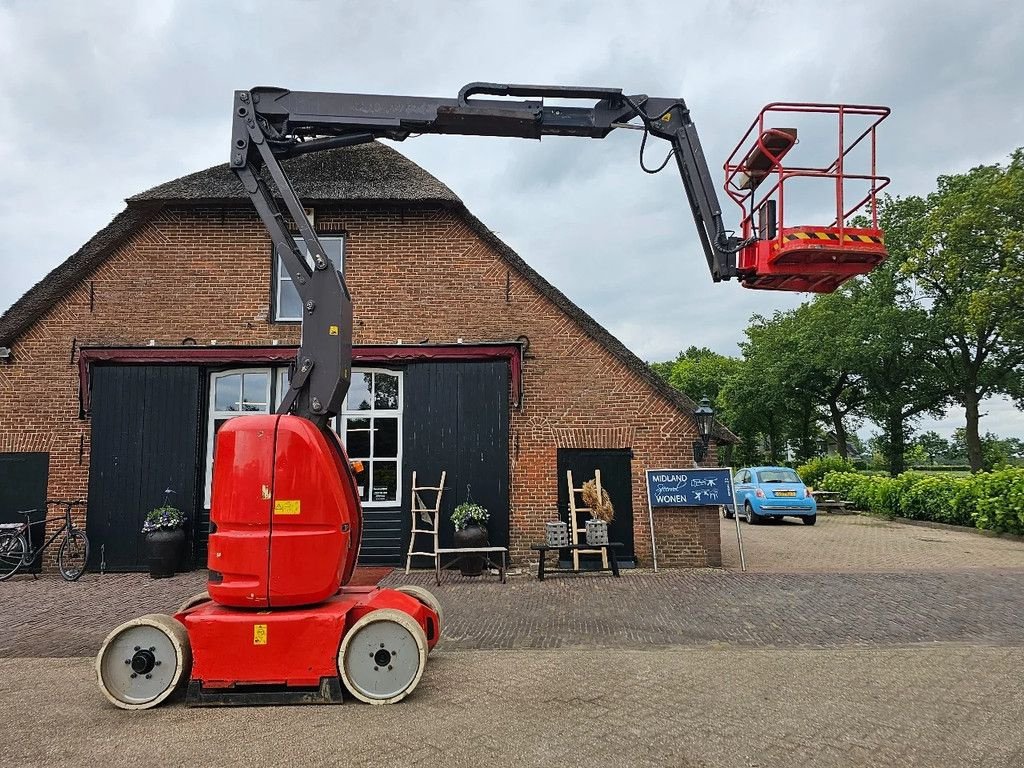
[
  {"x": 688, "y": 537},
  {"x": 414, "y": 273}
]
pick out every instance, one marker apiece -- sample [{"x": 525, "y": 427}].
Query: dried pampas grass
[{"x": 601, "y": 507}]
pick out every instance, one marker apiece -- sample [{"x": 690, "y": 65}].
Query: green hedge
[
  {"x": 815, "y": 470},
  {"x": 988, "y": 500}
]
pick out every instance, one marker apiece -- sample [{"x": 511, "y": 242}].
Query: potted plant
[
  {"x": 164, "y": 529},
  {"x": 470, "y": 520}
]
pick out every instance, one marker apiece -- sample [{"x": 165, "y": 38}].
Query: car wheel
[
  {"x": 750, "y": 515},
  {"x": 810, "y": 519},
  {"x": 727, "y": 513}
]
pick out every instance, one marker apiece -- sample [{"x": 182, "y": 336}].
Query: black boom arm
[{"x": 273, "y": 123}]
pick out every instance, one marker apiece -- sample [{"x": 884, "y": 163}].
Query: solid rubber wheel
[
  {"x": 382, "y": 657},
  {"x": 810, "y": 519},
  {"x": 12, "y": 554},
  {"x": 426, "y": 597},
  {"x": 197, "y": 599},
  {"x": 142, "y": 662},
  {"x": 73, "y": 555}
]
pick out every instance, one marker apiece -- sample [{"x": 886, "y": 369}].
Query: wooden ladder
[
  {"x": 574, "y": 522},
  {"x": 428, "y": 516}
]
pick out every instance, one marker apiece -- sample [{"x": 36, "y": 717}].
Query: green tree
[
  {"x": 963, "y": 248},
  {"x": 934, "y": 446},
  {"x": 995, "y": 451},
  {"x": 891, "y": 357},
  {"x": 699, "y": 372}
]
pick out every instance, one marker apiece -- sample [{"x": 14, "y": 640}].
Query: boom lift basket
[{"x": 817, "y": 258}]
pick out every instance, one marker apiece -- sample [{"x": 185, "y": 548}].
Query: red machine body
[
  {"x": 285, "y": 517},
  {"x": 816, "y": 258},
  {"x": 286, "y": 523},
  {"x": 296, "y": 647}
]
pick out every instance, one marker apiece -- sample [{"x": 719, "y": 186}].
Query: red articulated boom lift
[{"x": 279, "y": 622}]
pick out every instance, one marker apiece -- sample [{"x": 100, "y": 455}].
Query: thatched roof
[{"x": 370, "y": 172}]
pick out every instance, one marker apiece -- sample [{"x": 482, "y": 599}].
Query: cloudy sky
[{"x": 100, "y": 100}]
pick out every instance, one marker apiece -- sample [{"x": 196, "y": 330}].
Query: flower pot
[
  {"x": 474, "y": 536},
  {"x": 166, "y": 550}
]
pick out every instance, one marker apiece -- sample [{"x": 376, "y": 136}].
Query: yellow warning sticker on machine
[
  {"x": 289, "y": 507},
  {"x": 259, "y": 634}
]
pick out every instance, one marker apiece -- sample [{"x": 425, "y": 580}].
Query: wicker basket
[
  {"x": 558, "y": 534},
  {"x": 597, "y": 532}
]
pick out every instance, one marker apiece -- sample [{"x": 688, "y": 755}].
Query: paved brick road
[
  {"x": 693, "y": 608},
  {"x": 856, "y": 543},
  {"x": 937, "y": 707},
  {"x": 908, "y": 653}
]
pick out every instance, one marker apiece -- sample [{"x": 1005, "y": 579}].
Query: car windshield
[{"x": 778, "y": 476}]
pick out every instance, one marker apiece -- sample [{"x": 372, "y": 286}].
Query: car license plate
[{"x": 785, "y": 493}]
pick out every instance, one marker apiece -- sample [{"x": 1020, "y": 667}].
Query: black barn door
[
  {"x": 457, "y": 421},
  {"x": 23, "y": 479},
  {"x": 145, "y": 439},
  {"x": 616, "y": 479}
]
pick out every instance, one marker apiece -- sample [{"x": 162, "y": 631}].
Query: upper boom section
[{"x": 274, "y": 123}]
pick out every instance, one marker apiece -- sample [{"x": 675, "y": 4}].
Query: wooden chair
[
  {"x": 426, "y": 515},
  {"x": 574, "y": 522}
]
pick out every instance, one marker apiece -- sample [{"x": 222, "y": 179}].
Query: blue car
[{"x": 772, "y": 492}]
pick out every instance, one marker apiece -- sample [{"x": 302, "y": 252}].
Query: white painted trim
[
  {"x": 212, "y": 415},
  {"x": 371, "y": 414}
]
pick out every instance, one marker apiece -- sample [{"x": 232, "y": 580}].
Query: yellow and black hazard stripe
[{"x": 833, "y": 236}]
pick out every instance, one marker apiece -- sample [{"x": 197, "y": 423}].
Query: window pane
[
  {"x": 359, "y": 392},
  {"x": 386, "y": 392},
  {"x": 289, "y": 307},
  {"x": 228, "y": 393},
  {"x": 385, "y": 437},
  {"x": 254, "y": 392},
  {"x": 332, "y": 247},
  {"x": 385, "y": 481},
  {"x": 357, "y": 438}
]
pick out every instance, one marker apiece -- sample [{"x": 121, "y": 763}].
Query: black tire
[
  {"x": 13, "y": 548},
  {"x": 73, "y": 555},
  {"x": 751, "y": 516},
  {"x": 727, "y": 513},
  {"x": 810, "y": 519}
]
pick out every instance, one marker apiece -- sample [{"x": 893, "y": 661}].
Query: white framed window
[
  {"x": 287, "y": 306},
  {"x": 241, "y": 392},
  {"x": 370, "y": 427}
]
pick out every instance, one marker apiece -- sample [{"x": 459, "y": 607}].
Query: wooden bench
[
  {"x": 488, "y": 554},
  {"x": 830, "y": 503},
  {"x": 607, "y": 551}
]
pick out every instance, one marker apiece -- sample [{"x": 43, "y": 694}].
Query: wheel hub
[{"x": 144, "y": 661}]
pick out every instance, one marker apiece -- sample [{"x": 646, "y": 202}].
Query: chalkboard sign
[{"x": 689, "y": 487}]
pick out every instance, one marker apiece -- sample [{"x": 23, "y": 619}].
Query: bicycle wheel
[
  {"x": 73, "y": 555},
  {"x": 13, "y": 548}
]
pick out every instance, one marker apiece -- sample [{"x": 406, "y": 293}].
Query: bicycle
[{"x": 14, "y": 543}]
